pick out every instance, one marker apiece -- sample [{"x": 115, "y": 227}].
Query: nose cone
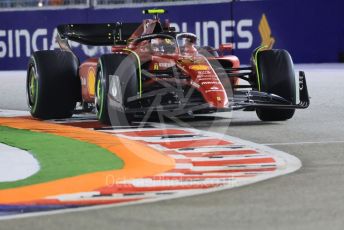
[
  {"x": 211, "y": 88},
  {"x": 206, "y": 81},
  {"x": 214, "y": 93}
]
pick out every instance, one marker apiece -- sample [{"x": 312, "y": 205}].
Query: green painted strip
[
  {"x": 256, "y": 60},
  {"x": 140, "y": 73},
  {"x": 59, "y": 157}
]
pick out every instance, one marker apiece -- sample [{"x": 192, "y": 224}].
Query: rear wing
[{"x": 97, "y": 34}]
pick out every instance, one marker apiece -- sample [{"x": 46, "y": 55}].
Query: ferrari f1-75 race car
[{"x": 153, "y": 69}]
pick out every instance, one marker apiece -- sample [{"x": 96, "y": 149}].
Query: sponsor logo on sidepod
[{"x": 199, "y": 67}]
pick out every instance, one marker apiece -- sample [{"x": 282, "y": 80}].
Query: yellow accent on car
[
  {"x": 256, "y": 63},
  {"x": 168, "y": 41},
  {"x": 154, "y": 11},
  {"x": 199, "y": 67},
  {"x": 139, "y": 66},
  {"x": 91, "y": 81}
]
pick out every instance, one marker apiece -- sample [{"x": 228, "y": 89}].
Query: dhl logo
[{"x": 265, "y": 33}]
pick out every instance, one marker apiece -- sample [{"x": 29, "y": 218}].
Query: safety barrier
[{"x": 311, "y": 31}]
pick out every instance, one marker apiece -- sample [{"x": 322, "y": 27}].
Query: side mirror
[{"x": 228, "y": 47}]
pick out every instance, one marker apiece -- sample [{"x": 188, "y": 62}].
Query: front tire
[
  {"x": 116, "y": 82},
  {"x": 275, "y": 72}
]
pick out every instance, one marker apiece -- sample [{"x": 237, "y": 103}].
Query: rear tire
[
  {"x": 112, "y": 94},
  {"x": 52, "y": 84},
  {"x": 276, "y": 76}
]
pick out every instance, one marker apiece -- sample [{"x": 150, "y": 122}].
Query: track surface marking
[{"x": 161, "y": 162}]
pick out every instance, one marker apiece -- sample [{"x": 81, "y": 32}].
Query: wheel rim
[
  {"x": 100, "y": 96},
  {"x": 32, "y": 89}
]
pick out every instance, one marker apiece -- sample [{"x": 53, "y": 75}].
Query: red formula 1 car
[{"x": 153, "y": 69}]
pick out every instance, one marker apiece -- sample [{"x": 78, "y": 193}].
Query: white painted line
[
  {"x": 159, "y": 139},
  {"x": 13, "y": 113},
  {"x": 66, "y": 197},
  {"x": 303, "y": 143}
]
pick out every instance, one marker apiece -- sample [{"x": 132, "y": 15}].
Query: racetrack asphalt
[{"x": 311, "y": 198}]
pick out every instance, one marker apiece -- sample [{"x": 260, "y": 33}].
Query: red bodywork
[{"x": 201, "y": 74}]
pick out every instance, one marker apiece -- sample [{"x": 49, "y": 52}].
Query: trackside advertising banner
[{"x": 311, "y": 30}]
